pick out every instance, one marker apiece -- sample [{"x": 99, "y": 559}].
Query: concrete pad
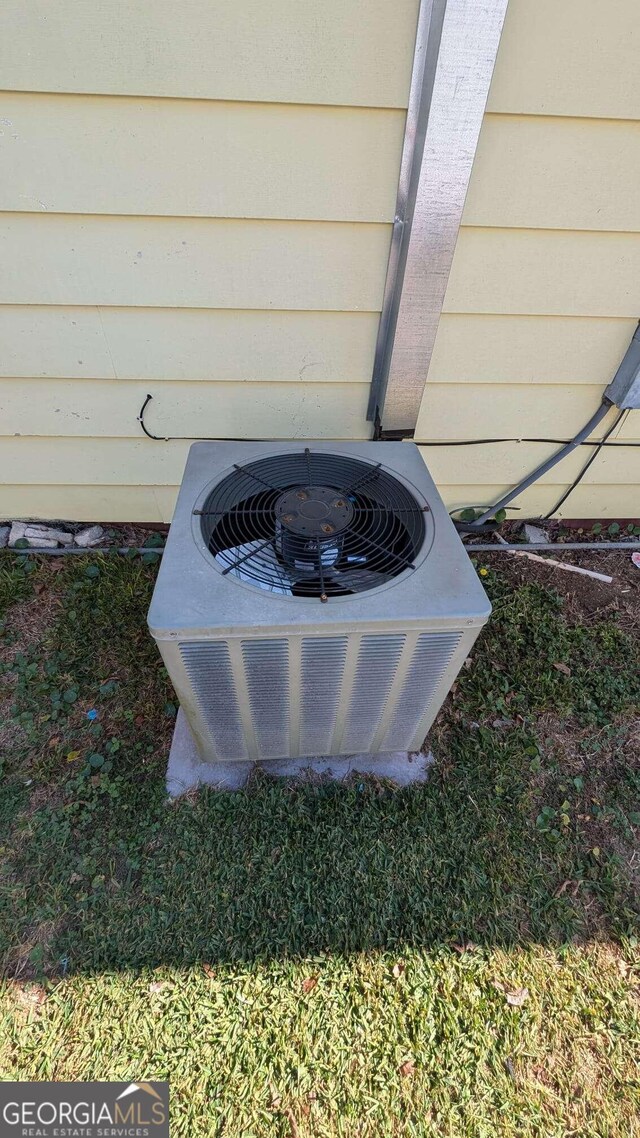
[
  {"x": 186, "y": 770},
  {"x": 401, "y": 767}
]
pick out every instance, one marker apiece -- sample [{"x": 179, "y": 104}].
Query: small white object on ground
[
  {"x": 44, "y": 536},
  {"x": 42, "y": 543},
  {"x": 18, "y": 530},
  {"x": 85, "y": 538},
  {"x": 535, "y": 535},
  {"x": 186, "y": 770},
  {"x": 635, "y": 557},
  {"x": 4, "y": 536}
]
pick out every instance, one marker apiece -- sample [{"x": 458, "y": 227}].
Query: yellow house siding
[
  {"x": 510, "y": 461},
  {"x": 556, "y": 173},
  {"x": 630, "y": 427},
  {"x": 343, "y": 52},
  {"x": 549, "y": 272},
  {"x": 191, "y": 262},
  {"x": 95, "y": 155},
  {"x": 196, "y": 203},
  {"x": 100, "y": 461},
  {"x": 529, "y": 410},
  {"x": 480, "y": 348},
  {"x": 591, "y": 501},
  {"x": 116, "y": 503},
  {"x": 569, "y": 57},
  {"x": 109, "y": 407},
  {"x": 186, "y": 343},
  {"x": 544, "y": 292}
]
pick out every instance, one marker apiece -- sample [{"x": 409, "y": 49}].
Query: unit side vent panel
[
  {"x": 433, "y": 654},
  {"x": 208, "y": 667},
  {"x": 323, "y": 661},
  {"x": 378, "y": 660},
  {"x": 266, "y": 666}
]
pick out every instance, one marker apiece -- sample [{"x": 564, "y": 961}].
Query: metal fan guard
[{"x": 367, "y": 529}]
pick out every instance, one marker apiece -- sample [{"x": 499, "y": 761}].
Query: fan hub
[{"x": 314, "y": 511}]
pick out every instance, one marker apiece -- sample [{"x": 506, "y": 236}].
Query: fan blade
[
  {"x": 275, "y": 577},
  {"x": 348, "y": 578}
]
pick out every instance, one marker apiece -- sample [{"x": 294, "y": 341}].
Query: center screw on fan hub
[{"x": 315, "y": 511}]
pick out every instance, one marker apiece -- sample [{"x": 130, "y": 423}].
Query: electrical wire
[
  {"x": 521, "y": 439},
  {"x": 471, "y": 527},
  {"x": 438, "y": 443},
  {"x": 582, "y": 436},
  {"x": 483, "y": 524},
  {"x": 548, "y": 464},
  {"x": 186, "y": 438},
  {"x": 156, "y": 438},
  {"x": 586, "y": 466}
]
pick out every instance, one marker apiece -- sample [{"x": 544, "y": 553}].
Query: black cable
[
  {"x": 586, "y": 466},
  {"x": 488, "y": 526},
  {"x": 543, "y": 468},
  {"x": 439, "y": 443},
  {"x": 156, "y": 438},
  {"x": 480, "y": 442},
  {"x": 185, "y": 438}
]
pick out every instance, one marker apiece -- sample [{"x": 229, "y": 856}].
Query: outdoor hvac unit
[{"x": 312, "y": 599}]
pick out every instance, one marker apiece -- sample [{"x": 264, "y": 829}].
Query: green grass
[{"x": 324, "y": 960}]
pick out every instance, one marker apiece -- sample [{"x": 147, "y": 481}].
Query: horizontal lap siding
[
  {"x": 586, "y": 501},
  {"x": 186, "y": 343},
  {"x": 110, "y": 407},
  {"x": 197, "y": 205},
  {"x": 86, "y": 155},
  {"x": 479, "y": 348},
  {"x": 491, "y": 410},
  {"x": 87, "y": 461},
  {"x": 510, "y": 462},
  {"x": 117, "y": 502},
  {"x": 89, "y": 502},
  {"x": 569, "y": 57},
  {"x": 343, "y": 52},
  {"x": 556, "y": 173},
  {"x": 544, "y": 292},
  {"x": 191, "y": 262},
  {"x": 545, "y": 271}
]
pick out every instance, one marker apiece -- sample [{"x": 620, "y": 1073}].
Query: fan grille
[{"x": 312, "y": 524}]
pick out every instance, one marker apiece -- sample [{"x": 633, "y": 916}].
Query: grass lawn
[{"x": 458, "y": 959}]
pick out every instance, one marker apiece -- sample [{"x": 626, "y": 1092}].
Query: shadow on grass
[{"x": 102, "y": 874}]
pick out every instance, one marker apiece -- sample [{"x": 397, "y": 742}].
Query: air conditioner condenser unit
[{"x": 313, "y": 599}]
